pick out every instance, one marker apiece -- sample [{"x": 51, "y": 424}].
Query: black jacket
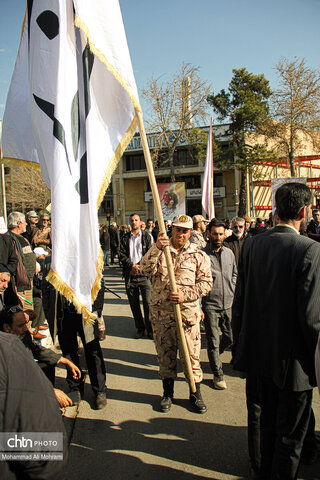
[
  {"x": 276, "y": 312},
  {"x": 8, "y": 255},
  {"x": 27, "y": 404},
  {"x": 124, "y": 255},
  {"x": 114, "y": 236},
  {"x": 105, "y": 238},
  {"x": 235, "y": 245}
]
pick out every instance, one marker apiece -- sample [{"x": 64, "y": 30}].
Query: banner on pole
[
  {"x": 207, "y": 185},
  {"x": 71, "y": 109}
]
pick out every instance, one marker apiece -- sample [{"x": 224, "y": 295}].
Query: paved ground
[{"x": 130, "y": 439}]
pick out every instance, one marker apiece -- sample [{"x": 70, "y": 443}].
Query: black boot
[
  {"x": 166, "y": 400},
  {"x": 196, "y": 401}
]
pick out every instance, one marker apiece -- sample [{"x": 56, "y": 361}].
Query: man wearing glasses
[
  {"x": 235, "y": 241},
  {"x": 41, "y": 236}
]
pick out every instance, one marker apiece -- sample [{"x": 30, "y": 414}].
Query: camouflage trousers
[{"x": 166, "y": 342}]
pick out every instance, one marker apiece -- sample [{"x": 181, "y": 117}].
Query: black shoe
[
  {"x": 101, "y": 401},
  {"x": 139, "y": 334},
  {"x": 196, "y": 401},
  {"x": 165, "y": 404},
  {"x": 166, "y": 401}
]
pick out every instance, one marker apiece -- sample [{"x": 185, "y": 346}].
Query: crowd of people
[
  {"x": 265, "y": 310},
  {"x": 33, "y": 311},
  {"x": 252, "y": 286}
]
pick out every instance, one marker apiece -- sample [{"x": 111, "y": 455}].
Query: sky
[{"x": 214, "y": 35}]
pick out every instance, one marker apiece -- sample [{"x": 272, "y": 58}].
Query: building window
[
  {"x": 191, "y": 181},
  {"x": 135, "y": 162},
  {"x": 183, "y": 157},
  {"x": 218, "y": 180}
]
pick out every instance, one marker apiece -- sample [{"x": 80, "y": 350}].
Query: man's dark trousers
[
  {"x": 136, "y": 284},
  {"x": 254, "y": 415},
  {"x": 114, "y": 252},
  {"x": 71, "y": 326},
  {"x": 285, "y": 416}
]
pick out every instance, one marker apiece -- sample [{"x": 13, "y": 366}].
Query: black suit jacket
[
  {"x": 276, "y": 312},
  {"x": 124, "y": 254}
]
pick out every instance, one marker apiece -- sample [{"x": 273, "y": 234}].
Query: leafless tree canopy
[
  {"x": 26, "y": 189},
  {"x": 176, "y": 108},
  {"x": 295, "y": 107}
]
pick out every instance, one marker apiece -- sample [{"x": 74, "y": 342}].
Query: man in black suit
[
  {"x": 276, "y": 321},
  {"x": 134, "y": 245}
]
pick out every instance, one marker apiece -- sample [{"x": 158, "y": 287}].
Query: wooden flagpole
[{"x": 173, "y": 286}]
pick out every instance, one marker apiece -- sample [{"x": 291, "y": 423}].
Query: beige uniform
[
  {"x": 193, "y": 276},
  {"x": 198, "y": 239}
]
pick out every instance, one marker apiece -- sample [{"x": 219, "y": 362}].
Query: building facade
[{"x": 131, "y": 190}]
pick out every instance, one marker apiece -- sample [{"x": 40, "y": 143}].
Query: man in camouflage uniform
[
  {"x": 194, "y": 280},
  {"x": 199, "y": 227}
]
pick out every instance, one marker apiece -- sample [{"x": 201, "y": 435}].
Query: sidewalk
[{"x": 130, "y": 439}]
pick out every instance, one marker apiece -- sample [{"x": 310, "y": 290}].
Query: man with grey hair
[
  {"x": 235, "y": 241},
  {"x": 17, "y": 221},
  {"x": 16, "y": 226}
]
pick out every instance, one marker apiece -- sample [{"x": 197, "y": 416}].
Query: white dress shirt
[{"x": 135, "y": 248}]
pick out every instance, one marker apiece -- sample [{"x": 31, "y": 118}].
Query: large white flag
[
  {"x": 71, "y": 108},
  {"x": 207, "y": 185}
]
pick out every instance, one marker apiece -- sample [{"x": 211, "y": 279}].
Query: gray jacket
[{"x": 224, "y": 275}]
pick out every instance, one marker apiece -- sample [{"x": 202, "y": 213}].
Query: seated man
[{"x": 14, "y": 320}]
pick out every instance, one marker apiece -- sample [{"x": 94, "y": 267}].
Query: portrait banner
[{"x": 173, "y": 199}]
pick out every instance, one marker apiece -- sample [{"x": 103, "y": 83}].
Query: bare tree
[
  {"x": 177, "y": 108},
  {"x": 295, "y": 108},
  {"x": 26, "y": 189}
]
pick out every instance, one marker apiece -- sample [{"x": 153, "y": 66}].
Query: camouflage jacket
[
  {"x": 192, "y": 272},
  {"x": 198, "y": 239}
]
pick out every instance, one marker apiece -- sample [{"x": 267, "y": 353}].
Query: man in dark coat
[
  {"x": 235, "y": 241},
  {"x": 114, "y": 240},
  {"x": 276, "y": 322},
  {"x": 32, "y": 223},
  {"x": 27, "y": 404},
  {"x": 105, "y": 243},
  {"x": 70, "y": 325},
  {"x": 8, "y": 255},
  {"x": 133, "y": 246},
  {"x": 16, "y": 226}
]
